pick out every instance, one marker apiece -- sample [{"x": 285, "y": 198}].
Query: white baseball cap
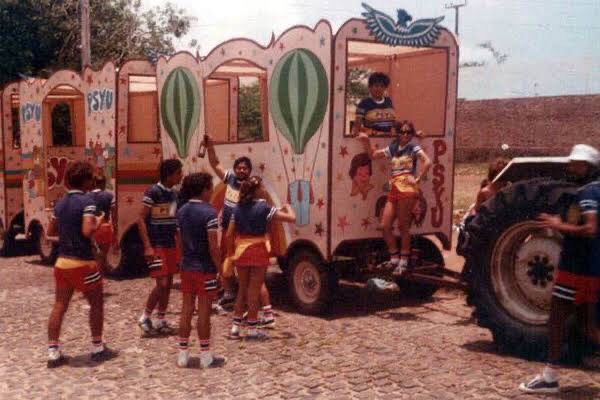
[{"x": 583, "y": 152}]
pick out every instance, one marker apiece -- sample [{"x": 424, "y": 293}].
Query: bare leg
[
  {"x": 387, "y": 217},
  {"x": 204, "y": 310},
  {"x": 61, "y": 304},
  {"x": 242, "y": 296},
  {"x": 256, "y": 282},
  {"x": 404, "y": 214},
  {"x": 187, "y": 312},
  {"x": 559, "y": 311},
  {"x": 95, "y": 299}
]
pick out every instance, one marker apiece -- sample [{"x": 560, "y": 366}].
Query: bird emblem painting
[{"x": 421, "y": 33}]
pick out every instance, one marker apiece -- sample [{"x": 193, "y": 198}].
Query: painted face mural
[{"x": 361, "y": 170}]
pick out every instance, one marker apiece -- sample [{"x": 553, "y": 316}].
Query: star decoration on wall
[
  {"x": 156, "y": 151},
  {"x": 281, "y": 46},
  {"x": 222, "y": 52},
  {"x": 343, "y": 151},
  {"x": 232, "y": 156},
  {"x": 261, "y": 166},
  {"x": 322, "y": 41},
  {"x": 90, "y": 79},
  {"x": 343, "y": 223},
  {"x": 340, "y": 88},
  {"x": 319, "y": 229},
  {"x": 279, "y": 178},
  {"x": 129, "y": 200},
  {"x": 340, "y": 176},
  {"x": 355, "y": 30},
  {"x": 366, "y": 223},
  {"x": 320, "y": 203},
  {"x": 249, "y": 149}
]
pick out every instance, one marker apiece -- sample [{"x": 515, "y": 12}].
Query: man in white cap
[{"x": 578, "y": 280}]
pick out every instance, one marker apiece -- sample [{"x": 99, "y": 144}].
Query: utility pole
[
  {"x": 86, "y": 53},
  {"x": 456, "y": 6}
]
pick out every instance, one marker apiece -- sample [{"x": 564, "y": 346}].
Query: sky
[{"x": 552, "y": 46}]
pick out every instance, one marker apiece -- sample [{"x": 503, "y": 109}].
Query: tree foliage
[
  {"x": 38, "y": 37},
  {"x": 250, "y": 113}
]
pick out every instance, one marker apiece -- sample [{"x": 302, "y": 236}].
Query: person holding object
[
  {"x": 404, "y": 183},
  {"x": 576, "y": 286},
  {"x": 198, "y": 225},
  {"x": 158, "y": 231},
  {"x": 248, "y": 246}
]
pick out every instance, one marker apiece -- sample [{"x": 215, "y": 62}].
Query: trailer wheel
[
  {"x": 47, "y": 250},
  {"x": 430, "y": 254},
  {"x": 3, "y": 240},
  {"x": 513, "y": 263},
  {"x": 311, "y": 283}
]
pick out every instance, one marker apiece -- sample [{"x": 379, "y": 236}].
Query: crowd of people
[
  {"x": 180, "y": 234},
  {"x": 183, "y": 233}
]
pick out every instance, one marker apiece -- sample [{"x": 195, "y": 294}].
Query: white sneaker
[
  {"x": 183, "y": 358},
  {"x": 235, "y": 331},
  {"x": 55, "y": 358},
  {"x": 401, "y": 267},
  {"x": 211, "y": 360},
  {"x": 145, "y": 324}
]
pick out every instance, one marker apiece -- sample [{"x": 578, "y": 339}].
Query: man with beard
[{"x": 242, "y": 168}]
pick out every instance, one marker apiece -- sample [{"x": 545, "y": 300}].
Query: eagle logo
[{"x": 421, "y": 33}]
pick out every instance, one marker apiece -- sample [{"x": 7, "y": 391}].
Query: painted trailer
[
  {"x": 298, "y": 138},
  {"x": 12, "y": 224}
]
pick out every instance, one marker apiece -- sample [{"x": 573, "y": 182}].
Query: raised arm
[
  {"x": 212, "y": 158},
  {"x": 89, "y": 222},
  {"x": 373, "y": 153},
  {"x": 285, "y": 214}
]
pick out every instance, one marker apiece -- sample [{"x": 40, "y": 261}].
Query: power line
[{"x": 456, "y": 7}]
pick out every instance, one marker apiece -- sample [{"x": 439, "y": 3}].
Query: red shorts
[
  {"x": 403, "y": 187},
  {"x": 254, "y": 256},
  {"x": 165, "y": 264},
  {"x": 104, "y": 237},
  {"x": 83, "y": 279},
  {"x": 577, "y": 288},
  {"x": 199, "y": 283}
]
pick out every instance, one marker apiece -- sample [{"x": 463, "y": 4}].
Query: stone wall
[{"x": 529, "y": 126}]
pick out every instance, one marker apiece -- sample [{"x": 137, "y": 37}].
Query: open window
[
  {"x": 418, "y": 82},
  {"x": 143, "y": 113},
  {"x": 15, "y": 121},
  {"x": 64, "y": 117},
  {"x": 236, "y": 110}
]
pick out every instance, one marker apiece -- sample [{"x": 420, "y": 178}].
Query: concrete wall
[{"x": 529, "y": 126}]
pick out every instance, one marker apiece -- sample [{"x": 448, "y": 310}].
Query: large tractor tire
[
  {"x": 311, "y": 282},
  {"x": 46, "y": 249},
  {"x": 511, "y": 263}
]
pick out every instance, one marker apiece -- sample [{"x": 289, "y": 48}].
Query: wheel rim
[
  {"x": 45, "y": 245},
  {"x": 307, "y": 282},
  {"x": 524, "y": 265}
]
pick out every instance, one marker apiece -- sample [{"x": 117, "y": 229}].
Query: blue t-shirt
[
  {"x": 195, "y": 220},
  {"x": 104, "y": 201},
  {"x": 376, "y": 116},
  {"x": 252, "y": 219},
  {"x": 581, "y": 255},
  {"x": 403, "y": 159},
  {"x": 69, "y": 211},
  {"x": 232, "y": 196},
  {"x": 161, "y": 222}
]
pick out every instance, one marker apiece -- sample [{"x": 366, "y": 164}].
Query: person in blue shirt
[
  {"x": 248, "y": 246},
  {"x": 106, "y": 210},
  {"x": 198, "y": 225},
  {"x": 578, "y": 280},
  {"x": 74, "y": 220},
  {"x": 233, "y": 179},
  {"x": 158, "y": 230},
  {"x": 375, "y": 114},
  {"x": 404, "y": 182}
]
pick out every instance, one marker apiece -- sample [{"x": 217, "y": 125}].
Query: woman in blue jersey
[
  {"x": 249, "y": 248},
  {"x": 404, "y": 183}
]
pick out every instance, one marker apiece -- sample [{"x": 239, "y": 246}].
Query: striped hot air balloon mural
[
  {"x": 298, "y": 96},
  {"x": 180, "y": 108}
]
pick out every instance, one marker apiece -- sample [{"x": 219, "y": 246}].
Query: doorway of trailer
[
  {"x": 236, "y": 113},
  {"x": 63, "y": 141}
]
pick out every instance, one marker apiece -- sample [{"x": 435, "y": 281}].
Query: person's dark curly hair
[
  {"x": 360, "y": 160},
  {"x": 248, "y": 189},
  {"x": 244, "y": 160},
  {"x": 78, "y": 174},
  {"x": 379, "y": 78},
  {"x": 194, "y": 184},
  {"x": 169, "y": 167},
  {"x": 496, "y": 167}
]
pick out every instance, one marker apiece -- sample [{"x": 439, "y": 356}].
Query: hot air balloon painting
[
  {"x": 299, "y": 94},
  {"x": 180, "y": 108}
]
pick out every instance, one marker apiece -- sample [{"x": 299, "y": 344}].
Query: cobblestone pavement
[{"x": 370, "y": 346}]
